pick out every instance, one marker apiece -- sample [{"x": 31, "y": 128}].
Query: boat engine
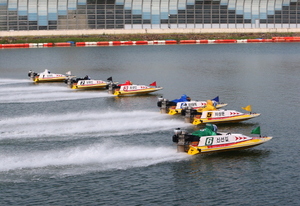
[
  {"x": 112, "y": 87},
  {"x": 189, "y": 113},
  {"x": 32, "y": 74},
  {"x": 163, "y": 104},
  {"x": 183, "y": 139},
  {"x": 71, "y": 80},
  {"x": 179, "y": 138}
]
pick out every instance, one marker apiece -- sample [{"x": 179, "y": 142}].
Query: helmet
[
  {"x": 209, "y": 102},
  {"x": 210, "y": 126}
]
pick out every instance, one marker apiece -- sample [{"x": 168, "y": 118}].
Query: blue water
[{"x": 64, "y": 147}]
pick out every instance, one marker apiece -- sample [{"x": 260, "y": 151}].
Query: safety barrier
[
  {"x": 286, "y": 39},
  {"x": 62, "y": 44},
  {"x": 14, "y": 45},
  {"x": 155, "y": 42}
]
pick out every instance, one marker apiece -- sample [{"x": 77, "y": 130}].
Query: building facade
[{"x": 21, "y": 15}]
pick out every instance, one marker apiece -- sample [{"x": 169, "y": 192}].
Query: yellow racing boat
[
  {"x": 47, "y": 76},
  {"x": 132, "y": 89},
  {"x": 175, "y": 106},
  {"x": 193, "y": 144},
  {"x": 197, "y": 117},
  {"x": 222, "y": 116},
  {"x": 173, "y": 110},
  {"x": 87, "y": 83}
]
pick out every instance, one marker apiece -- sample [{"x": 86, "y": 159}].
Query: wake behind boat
[
  {"x": 132, "y": 89},
  {"x": 208, "y": 140}
]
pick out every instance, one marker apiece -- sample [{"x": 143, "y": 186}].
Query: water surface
[{"x": 64, "y": 147}]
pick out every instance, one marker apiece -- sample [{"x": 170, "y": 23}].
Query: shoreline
[{"x": 12, "y": 37}]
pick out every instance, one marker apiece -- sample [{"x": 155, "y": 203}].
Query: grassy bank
[{"x": 137, "y": 37}]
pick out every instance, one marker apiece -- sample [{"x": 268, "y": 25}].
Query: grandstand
[{"x": 148, "y": 15}]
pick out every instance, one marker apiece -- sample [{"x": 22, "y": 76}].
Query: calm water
[{"x": 64, "y": 147}]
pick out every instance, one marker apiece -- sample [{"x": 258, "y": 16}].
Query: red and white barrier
[
  {"x": 155, "y": 42},
  {"x": 15, "y": 45},
  {"x": 62, "y": 44}
]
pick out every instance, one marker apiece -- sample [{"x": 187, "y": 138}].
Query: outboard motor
[
  {"x": 69, "y": 81},
  {"x": 112, "y": 87},
  {"x": 160, "y": 100},
  {"x": 32, "y": 74},
  {"x": 181, "y": 138},
  {"x": 163, "y": 104},
  {"x": 188, "y": 113}
]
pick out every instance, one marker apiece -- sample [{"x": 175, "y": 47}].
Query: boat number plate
[{"x": 209, "y": 141}]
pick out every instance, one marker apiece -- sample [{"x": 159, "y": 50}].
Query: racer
[
  {"x": 86, "y": 77},
  {"x": 208, "y": 107},
  {"x": 126, "y": 83},
  {"x": 209, "y": 130}
]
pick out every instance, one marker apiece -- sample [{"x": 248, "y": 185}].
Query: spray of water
[
  {"x": 36, "y": 136},
  {"x": 99, "y": 157},
  {"x": 90, "y": 123},
  {"x": 12, "y": 81},
  {"x": 44, "y": 93}
]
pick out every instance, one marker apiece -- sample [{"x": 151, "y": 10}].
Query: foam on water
[
  {"x": 36, "y": 136},
  {"x": 12, "y": 81},
  {"x": 86, "y": 124},
  {"x": 80, "y": 160},
  {"x": 44, "y": 93}
]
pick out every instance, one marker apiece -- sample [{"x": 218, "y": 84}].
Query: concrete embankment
[{"x": 141, "y": 31}]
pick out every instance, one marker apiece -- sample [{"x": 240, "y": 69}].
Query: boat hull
[
  {"x": 175, "y": 111},
  {"x": 222, "y": 120},
  {"x": 193, "y": 150},
  {"x": 54, "y": 79},
  {"x": 93, "y": 86},
  {"x": 136, "y": 92}
]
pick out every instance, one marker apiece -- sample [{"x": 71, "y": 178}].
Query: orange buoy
[
  {"x": 187, "y": 41},
  {"x": 116, "y": 43},
  {"x": 102, "y": 43},
  {"x": 203, "y": 41},
  {"x": 80, "y": 43},
  {"x": 225, "y": 41},
  {"x": 254, "y": 40},
  {"x": 62, "y": 44},
  {"x": 141, "y": 42},
  {"x": 171, "y": 42}
]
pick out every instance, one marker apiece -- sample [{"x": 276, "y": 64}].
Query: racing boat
[
  {"x": 87, "y": 83},
  {"x": 197, "y": 117},
  {"x": 47, "y": 76},
  {"x": 175, "y": 106},
  {"x": 133, "y": 89},
  {"x": 194, "y": 144}
]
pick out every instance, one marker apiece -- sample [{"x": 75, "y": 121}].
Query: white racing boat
[{"x": 47, "y": 76}]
